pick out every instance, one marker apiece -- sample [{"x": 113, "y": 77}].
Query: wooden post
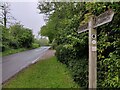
[
  {"x": 93, "y": 23},
  {"x": 92, "y": 55}
]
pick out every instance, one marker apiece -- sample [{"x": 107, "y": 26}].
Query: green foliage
[
  {"x": 22, "y": 35},
  {"x": 77, "y": 65},
  {"x": 72, "y": 48},
  {"x": 5, "y": 38},
  {"x": 9, "y": 51},
  {"x": 35, "y": 45},
  {"x": 44, "y": 41},
  {"x": 16, "y": 37},
  {"x": 110, "y": 69},
  {"x": 108, "y": 47}
]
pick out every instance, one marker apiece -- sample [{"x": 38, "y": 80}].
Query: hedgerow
[{"x": 72, "y": 48}]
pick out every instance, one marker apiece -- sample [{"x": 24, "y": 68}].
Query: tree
[
  {"x": 60, "y": 16},
  {"x": 22, "y": 36},
  {"x": 5, "y": 15},
  {"x": 72, "y": 48}
]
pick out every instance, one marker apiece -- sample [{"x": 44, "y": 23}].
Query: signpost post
[{"x": 93, "y": 23}]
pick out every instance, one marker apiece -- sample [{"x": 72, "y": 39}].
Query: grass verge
[
  {"x": 12, "y": 51},
  {"x": 47, "y": 73}
]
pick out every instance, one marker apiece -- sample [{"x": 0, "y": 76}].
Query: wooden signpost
[{"x": 93, "y": 23}]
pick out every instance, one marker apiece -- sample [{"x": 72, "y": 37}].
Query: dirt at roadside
[{"x": 48, "y": 54}]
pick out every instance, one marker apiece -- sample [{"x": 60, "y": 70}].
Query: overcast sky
[{"x": 28, "y": 14}]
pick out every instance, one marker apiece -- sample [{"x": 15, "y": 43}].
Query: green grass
[
  {"x": 12, "y": 51},
  {"x": 47, "y": 73}
]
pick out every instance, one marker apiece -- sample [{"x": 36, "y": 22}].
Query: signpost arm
[
  {"x": 99, "y": 20},
  {"x": 92, "y": 55}
]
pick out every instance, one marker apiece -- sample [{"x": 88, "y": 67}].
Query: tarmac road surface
[{"x": 14, "y": 63}]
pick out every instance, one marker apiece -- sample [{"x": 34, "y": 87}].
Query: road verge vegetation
[
  {"x": 16, "y": 38},
  {"x": 12, "y": 51},
  {"x": 48, "y": 73},
  {"x": 72, "y": 48}
]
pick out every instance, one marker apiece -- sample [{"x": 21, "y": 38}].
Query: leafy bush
[
  {"x": 23, "y": 37},
  {"x": 35, "y": 45},
  {"x": 43, "y": 41},
  {"x": 72, "y": 48},
  {"x": 16, "y": 37},
  {"x": 108, "y": 73},
  {"x": 77, "y": 64},
  {"x": 64, "y": 54},
  {"x": 5, "y": 47},
  {"x": 108, "y": 52}
]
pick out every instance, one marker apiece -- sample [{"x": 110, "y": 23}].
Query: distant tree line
[
  {"x": 17, "y": 36},
  {"x": 14, "y": 36}
]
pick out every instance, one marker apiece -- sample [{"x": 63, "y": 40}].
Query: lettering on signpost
[{"x": 93, "y": 23}]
